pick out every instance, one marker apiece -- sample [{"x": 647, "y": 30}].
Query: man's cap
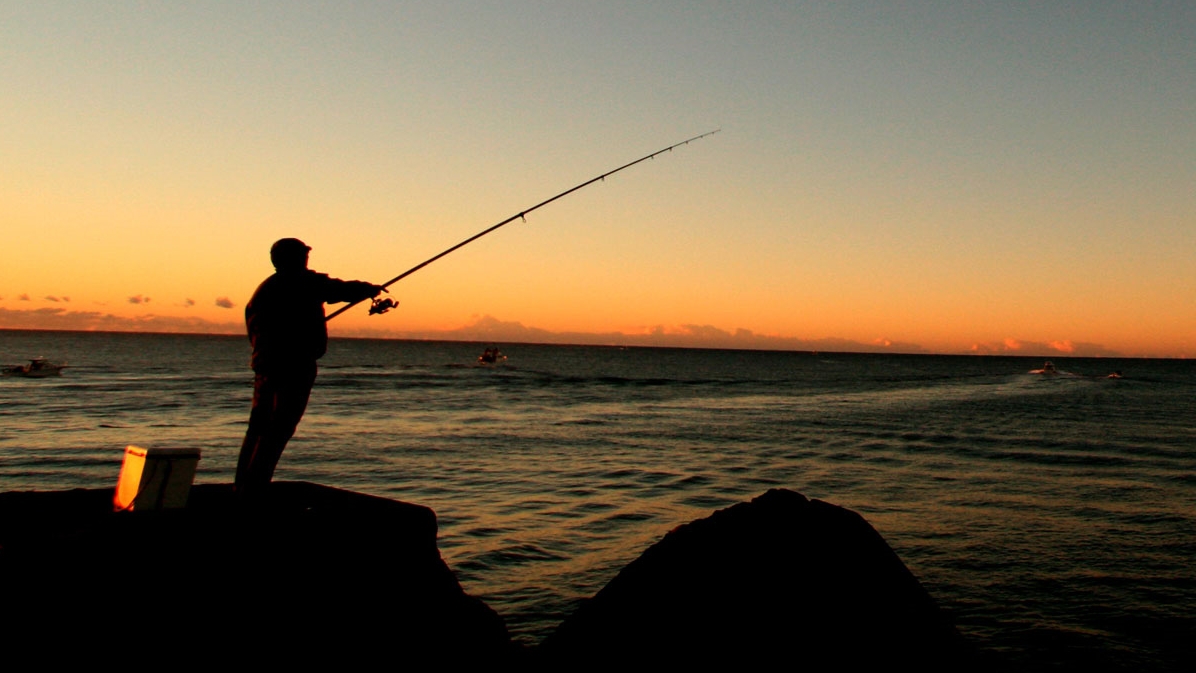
[{"x": 285, "y": 245}]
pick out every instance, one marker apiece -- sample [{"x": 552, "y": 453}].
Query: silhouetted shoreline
[{"x": 778, "y": 576}]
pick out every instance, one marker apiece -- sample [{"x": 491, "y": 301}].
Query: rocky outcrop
[
  {"x": 779, "y": 580},
  {"x": 326, "y": 575},
  {"x": 321, "y": 574}
]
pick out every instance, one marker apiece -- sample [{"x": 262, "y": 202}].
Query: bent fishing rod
[{"x": 384, "y": 305}]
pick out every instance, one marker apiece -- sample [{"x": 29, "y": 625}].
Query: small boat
[
  {"x": 1048, "y": 369},
  {"x": 491, "y": 356},
  {"x": 37, "y": 368}
]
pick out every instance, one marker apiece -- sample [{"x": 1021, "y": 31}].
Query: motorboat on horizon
[
  {"x": 491, "y": 356},
  {"x": 38, "y": 368},
  {"x": 1048, "y": 369}
]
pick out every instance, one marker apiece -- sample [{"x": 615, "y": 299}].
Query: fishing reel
[{"x": 382, "y": 305}]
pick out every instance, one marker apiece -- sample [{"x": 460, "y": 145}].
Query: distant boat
[
  {"x": 491, "y": 356},
  {"x": 38, "y": 368},
  {"x": 1048, "y": 369}
]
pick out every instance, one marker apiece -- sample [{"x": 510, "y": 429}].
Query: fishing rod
[{"x": 384, "y": 305}]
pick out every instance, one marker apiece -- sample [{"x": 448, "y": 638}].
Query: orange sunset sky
[{"x": 910, "y": 176}]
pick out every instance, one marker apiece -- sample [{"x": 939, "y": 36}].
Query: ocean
[{"x": 1053, "y": 518}]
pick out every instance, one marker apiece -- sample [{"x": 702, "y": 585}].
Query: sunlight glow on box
[{"x": 152, "y": 479}]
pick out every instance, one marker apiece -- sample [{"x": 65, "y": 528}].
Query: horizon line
[{"x": 446, "y": 337}]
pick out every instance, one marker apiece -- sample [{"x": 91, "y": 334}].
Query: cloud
[
  {"x": 139, "y": 299},
  {"x": 1006, "y": 345},
  {"x": 1059, "y": 347},
  {"x": 1064, "y": 346},
  {"x": 490, "y": 329},
  {"x": 50, "y": 298},
  {"x": 188, "y": 302},
  {"x": 23, "y": 297},
  {"x": 58, "y": 318},
  {"x": 224, "y": 302},
  {"x": 712, "y": 333}
]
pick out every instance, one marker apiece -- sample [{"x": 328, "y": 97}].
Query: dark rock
[
  {"x": 325, "y": 575},
  {"x": 320, "y": 573},
  {"x": 780, "y": 579}
]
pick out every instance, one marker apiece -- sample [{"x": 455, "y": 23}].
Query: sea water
[{"x": 1052, "y": 517}]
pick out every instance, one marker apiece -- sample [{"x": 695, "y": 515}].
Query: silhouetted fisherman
[{"x": 286, "y": 325}]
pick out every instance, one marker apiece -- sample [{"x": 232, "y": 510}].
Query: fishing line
[{"x": 384, "y": 305}]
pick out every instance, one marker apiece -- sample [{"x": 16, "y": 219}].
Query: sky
[{"x": 907, "y": 176}]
